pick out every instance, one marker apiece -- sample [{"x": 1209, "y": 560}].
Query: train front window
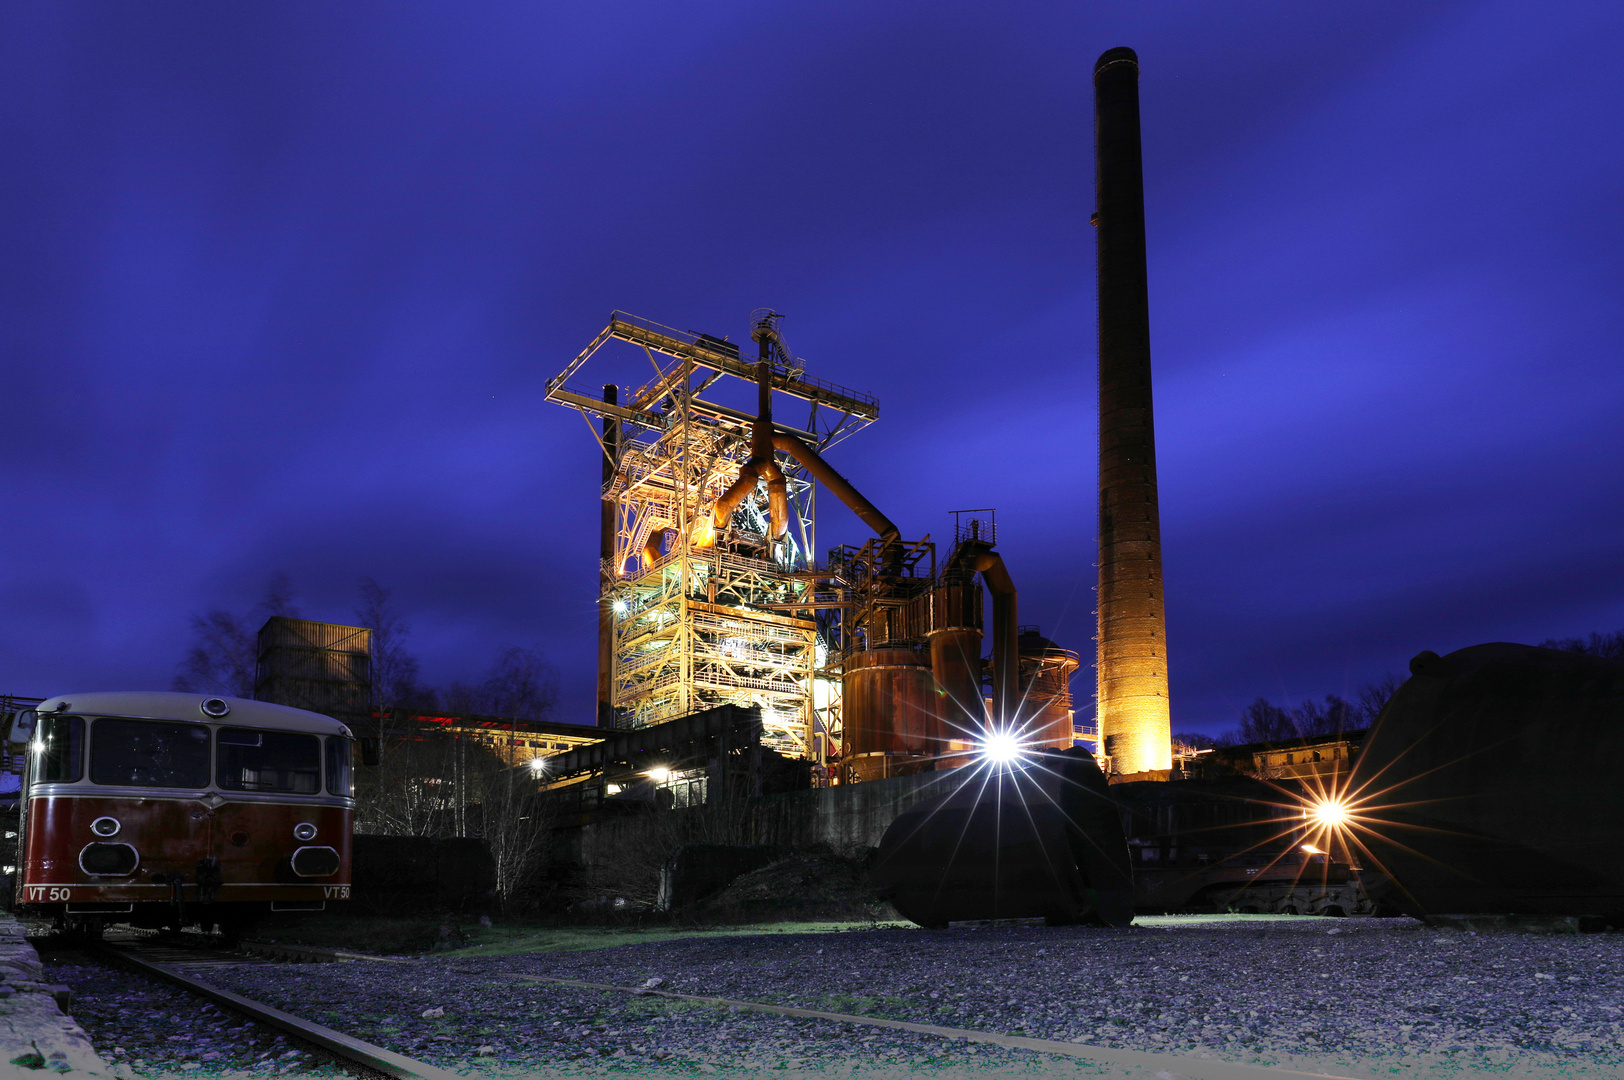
[
  {"x": 252, "y": 760},
  {"x": 339, "y": 753},
  {"x": 60, "y": 743},
  {"x": 149, "y": 753}
]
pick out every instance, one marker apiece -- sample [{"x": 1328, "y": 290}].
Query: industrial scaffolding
[{"x": 697, "y": 612}]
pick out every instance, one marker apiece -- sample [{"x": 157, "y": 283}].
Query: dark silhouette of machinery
[
  {"x": 1034, "y": 836},
  {"x": 1489, "y": 784}
]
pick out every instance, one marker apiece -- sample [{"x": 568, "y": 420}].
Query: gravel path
[{"x": 1356, "y": 997}]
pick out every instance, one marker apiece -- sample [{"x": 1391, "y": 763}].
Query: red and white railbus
[{"x": 173, "y": 809}]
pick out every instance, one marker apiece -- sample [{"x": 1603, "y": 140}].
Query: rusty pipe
[
  {"x": 731, "y": 498},
  {"x": 761, "y": 465},
  {"x": 1006, "y": 669},
  {"x": 651, "y": 547},
  {"x": 842, "y": 489}
]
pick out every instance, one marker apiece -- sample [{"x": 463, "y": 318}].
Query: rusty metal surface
[
  {"x": 1490, "y": 784},
  {"x": 1040, "y": 840},
  {"x": 890, "y": 703}
]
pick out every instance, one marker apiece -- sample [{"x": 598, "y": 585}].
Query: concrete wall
[
  {"x": 36, "y": 1038},
  {"x": 846, "y": 818}
]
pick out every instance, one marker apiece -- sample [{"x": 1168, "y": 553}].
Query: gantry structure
[{"x": 708, "y": 580}]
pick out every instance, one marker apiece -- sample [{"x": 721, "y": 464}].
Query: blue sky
[{"x": 284, "y": 284}]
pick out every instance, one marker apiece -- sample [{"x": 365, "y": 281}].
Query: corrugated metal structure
[{"x": 323, "y": 667}]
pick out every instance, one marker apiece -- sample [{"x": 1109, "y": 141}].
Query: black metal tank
[
  {"x": 1490, "y": 784},
  {"x": 1038, "y": 839}
]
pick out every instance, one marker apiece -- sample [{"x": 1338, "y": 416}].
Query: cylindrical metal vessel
[
  {"x": 1040, "y": 838},
  {"x": 1046, "y": 671},
  {"x": 1135, "y": 724},
  {"x": 888, "y": 698},
  {"x": 1489, "y": 784}
]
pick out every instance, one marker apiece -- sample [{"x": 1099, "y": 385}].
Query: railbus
[{"x": 173, "y": 809}]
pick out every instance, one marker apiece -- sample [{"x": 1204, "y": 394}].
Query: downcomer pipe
[
  {"x": 1006, "y": 661},
  {"x": 1134, "y": 718},
  {"x": 761, "y": 465},
  {"x": 838, "y": 485}
]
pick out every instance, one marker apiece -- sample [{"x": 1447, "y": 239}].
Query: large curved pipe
[
  {"x": 825, "y": 474},
  {"x": 761, "y": 465},
  {"x": 1006, "y": 670}
]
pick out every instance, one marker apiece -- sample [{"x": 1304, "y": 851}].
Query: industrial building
[{"x": 868, "y": 663}]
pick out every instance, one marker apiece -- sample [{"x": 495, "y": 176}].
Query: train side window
[
  {"x": 339, "y": 752},
  {"x": 268, "y": 761},
  {"x": 149, "y": 753},
  {"x": 61, "y": 745}
]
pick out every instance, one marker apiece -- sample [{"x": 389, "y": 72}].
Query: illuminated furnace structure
[
  {"x": 708, "y": 525},
  {"x": 710, "y": 595}
]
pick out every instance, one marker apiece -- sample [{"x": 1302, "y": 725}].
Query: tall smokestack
[{"x": 1135, "y": 724}]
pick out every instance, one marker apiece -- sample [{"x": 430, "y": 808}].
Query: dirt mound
[{"x": 805, "y": 885}]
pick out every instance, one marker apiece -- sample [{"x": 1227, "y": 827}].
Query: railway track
[{"x": 185, "y": 963}]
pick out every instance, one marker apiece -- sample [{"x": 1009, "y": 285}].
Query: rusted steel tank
[
  {"x": 889, "y": 721},
  {"x": 1490, "y": 784},
  {"x": 1046, "y": 671},
  {"x": 1038, "y": 838}
]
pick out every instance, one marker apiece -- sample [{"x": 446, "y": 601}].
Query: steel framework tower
[{"x": 708, "y": 531}]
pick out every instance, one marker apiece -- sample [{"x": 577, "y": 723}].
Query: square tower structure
[{"x": 709, "y": 591}]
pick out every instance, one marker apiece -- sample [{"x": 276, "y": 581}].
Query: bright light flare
[
  {"x": 619, "y": 607},
  {"x": 1312, "y": 850},
  {"x": 659, "y": 774},
  {"x": 1000, "y": 747},
  {"x": 538, "y": 764},
  {"x": 1328, "y": 813}
]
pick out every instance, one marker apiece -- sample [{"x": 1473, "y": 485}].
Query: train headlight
[
  {"x": 109, "y": 860},
  {"x": 304, "y": 831},
  {"x": 315, "y": 862},
  {"x": 105, "y": 826}
]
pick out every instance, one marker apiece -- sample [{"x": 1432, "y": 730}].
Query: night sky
[{"x": 282, "y": 284}]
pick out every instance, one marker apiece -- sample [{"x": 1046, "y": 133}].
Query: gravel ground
[
  {"x": 144, "y": 1028},
  {"x": 1355, "y": 997}
]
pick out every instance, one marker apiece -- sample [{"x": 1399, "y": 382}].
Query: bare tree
[
  {"x": 395, "y": 682},
  {"x": 519, "y": 685},
  {"x": 1607, "y": 645},
  {"x": 225, "y": 646},
  {"x": 513, "y": 821},
  {"x": 1373, "y": 697}
]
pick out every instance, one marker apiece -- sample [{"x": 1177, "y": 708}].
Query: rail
[{"x": 353, "y": 1050}]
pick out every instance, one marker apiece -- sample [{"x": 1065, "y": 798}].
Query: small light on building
[
  {"x": 659, "y": 774},
  {"x": 538, "y": 764},
  {"x": 619, "y": 607}
]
